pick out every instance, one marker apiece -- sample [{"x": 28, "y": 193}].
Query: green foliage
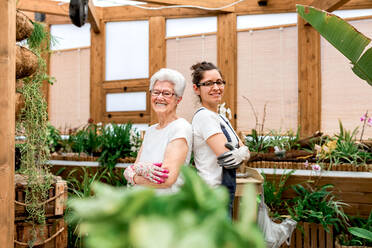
[
  {"x": 87, "y": 139},
  {"x": 286, "y": 141},
  {"x": 318, "y": 206},
  {"x": 54, "y": 138},
  {"x": 344, "y": 37},
  {"x": 80, "y": 183},
  {"x": 346, "y": 150},
  {"x": 359, "y": 234},
  {"x": 273, "y": 192},
  {"x": 256, "y": 142},
  {"x": 196, "y": 216},
  {"x": 117, "y": 143}
]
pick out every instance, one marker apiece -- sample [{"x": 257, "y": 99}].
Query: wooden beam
[
  {"x": 46, "y": 56},
  {"x": 157, "y": 51},
  {"x": 121, "y": 13},
  {"x": 227, "y": 59},
  {"x": 309, "y": 79},
  {"x": 44, "y": 6},
  {"x": 205, "y": 3},
  {"x": 328, "y": 5},
  {"x": 97, "y": 75},
  {"x": 7, "y": 120},
  {"x": 93, "y": 17}
]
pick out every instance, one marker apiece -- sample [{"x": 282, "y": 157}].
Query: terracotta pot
[
  {"x": 26, "y": 62},
  {"x": 24, "y": 26}
]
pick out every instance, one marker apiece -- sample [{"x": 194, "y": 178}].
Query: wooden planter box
[
  {"x": 84, "y": 157},
  {"x": 313, "y": 236},
  {"x": 55, "y": 205},
  {"x": 51, "y": 235},
  {"x": 301, "y": 166},
  {"x": 351, "y": 187}
]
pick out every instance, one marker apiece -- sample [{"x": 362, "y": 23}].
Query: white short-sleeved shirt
[
  {"x": 155, "y": 143},
  {"x": 205, "y": 124}
]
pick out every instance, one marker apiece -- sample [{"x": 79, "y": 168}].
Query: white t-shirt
[
  {"x": 205, "y": 124},
  {"x": 155, "y": 143}
]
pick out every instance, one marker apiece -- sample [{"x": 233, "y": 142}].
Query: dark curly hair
[{"x": 198, "y": 71}]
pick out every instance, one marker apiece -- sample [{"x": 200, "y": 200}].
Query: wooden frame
[{"x": 7, "y": 123}]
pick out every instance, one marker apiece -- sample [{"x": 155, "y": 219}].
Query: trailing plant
[
  {"x": 273, "y": 191},
  {"x": 318, "y": 205},
  {"x": 196, "y": 216},
  {"x": 35, "y": 152}
]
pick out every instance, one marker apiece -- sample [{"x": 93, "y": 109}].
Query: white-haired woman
[{"x": 167, "y": 144}]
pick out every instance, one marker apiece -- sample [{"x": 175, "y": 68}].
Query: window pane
[{"x": 132, "y": 101}]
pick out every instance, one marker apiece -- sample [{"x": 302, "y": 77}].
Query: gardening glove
[
  {"x": 150, "y": 171},
  {"x": 129, "y": 174},
  {"x": 233, "y": 158}
]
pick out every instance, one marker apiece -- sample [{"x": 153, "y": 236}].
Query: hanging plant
[{"x": 34, "y": 117}]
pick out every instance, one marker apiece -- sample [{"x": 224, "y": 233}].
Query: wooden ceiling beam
[
  {"x": 93, "y": 17},
  {"x": 44, "y": 6},
  {"x": 328, "y": 5},
  {"x": 119, "y": 13},
  {"x": 205, "y": 3}
]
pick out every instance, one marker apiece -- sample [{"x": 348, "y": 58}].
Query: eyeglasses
[
  {"x": 165, "y": 94},
  {"x": 220, "y": 83}
]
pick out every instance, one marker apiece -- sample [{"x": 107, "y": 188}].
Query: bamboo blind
[
  {"x": 267, "y": 74},
  {"x": 182, "y": 53},
  {"x": 69, "y": 105},
  {"x": 345, "y": 96}
]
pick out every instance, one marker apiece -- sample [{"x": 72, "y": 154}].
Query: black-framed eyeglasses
[
  {"x": 166, "y": 94},
  {"x": 220, "y": 83}
]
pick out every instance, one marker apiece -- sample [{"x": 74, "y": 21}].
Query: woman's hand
[{"x": 150, "y": 171}]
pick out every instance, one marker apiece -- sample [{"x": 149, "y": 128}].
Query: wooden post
[
  {"x": 157, "y": 50},
  {"x": 97, "y": 75},
  {"x": 309, "y": 79},
  {"x": 227, "y": 59},
  {"x": 46, "y": 57},
  {"x": 7, "y": 120}
]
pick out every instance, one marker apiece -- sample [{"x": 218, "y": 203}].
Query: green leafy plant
[
  {"x": 318, "y": 206},
  {"x": 286, "y": 141},
  {"x": 118, "y": 141},
  {"x": 273, "y": 192},
  {"x": 87, "y": 140},
  {"x": 54, "y": 138},
  {"x": 344, "y": 37},
  {"x": 360, "y": 234},
  {"x": 343, "y": 149},
  {"x": 196, "y": 216},
  {"x": 257, "y": 142}
]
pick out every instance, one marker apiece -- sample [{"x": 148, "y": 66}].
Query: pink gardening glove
[{"x": 150, "y": 171}]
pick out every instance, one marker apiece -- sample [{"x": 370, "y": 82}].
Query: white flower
[{"x": 316, "y": 167}]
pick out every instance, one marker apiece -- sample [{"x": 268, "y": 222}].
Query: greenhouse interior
[{"x": 188, "y": 123}]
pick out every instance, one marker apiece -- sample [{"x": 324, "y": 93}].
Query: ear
[
  {"x": 196, "y": 89},
  {"x": 179, "y": 99}
]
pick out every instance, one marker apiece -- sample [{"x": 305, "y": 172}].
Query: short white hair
[{"x": 172, "y": 76}]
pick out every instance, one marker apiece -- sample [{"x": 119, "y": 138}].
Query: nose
[{"x": 215, "y": 86}]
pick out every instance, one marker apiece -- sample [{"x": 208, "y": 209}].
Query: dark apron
[{"x": 228, "y": 175}]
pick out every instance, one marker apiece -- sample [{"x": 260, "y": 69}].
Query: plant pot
[
  {"x": 313, "y": 235},
  {"x": 55, "y": 205},
  {"x": 24, "y": 27},
  {"x": 26, "y": 62},
  {"x": 51, "y": 235}
]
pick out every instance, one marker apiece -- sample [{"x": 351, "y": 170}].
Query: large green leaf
[
  {"x": 344, "y": 37},
  {"x": 361, "y": 233}
]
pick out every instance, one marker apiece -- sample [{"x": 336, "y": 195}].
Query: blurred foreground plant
[{"x": 196, "y": 216}]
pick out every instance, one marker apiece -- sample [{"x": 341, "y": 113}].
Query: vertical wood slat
[
  {"x": 7, "y": 120},
  {"x": 309, "y": 79},
  {"x": 227, "y": 59},
  {"x": 330, "y": 237},
  {"x": 97, "y": 75},
  {"x": 322, "y": 243},
  {"x": 157, "y": 51},
  {"x": 298, "y": 238},
  {"x": 306, "y": 235},
  {"x": 314, "y": 235}
]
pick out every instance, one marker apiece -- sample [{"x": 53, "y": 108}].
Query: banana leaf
[{"x": 344, "y": 37}]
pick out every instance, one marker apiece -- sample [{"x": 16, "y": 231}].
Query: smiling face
[
  {"x": 164, "y": 104},
  {"x": 210, "y": 96}
]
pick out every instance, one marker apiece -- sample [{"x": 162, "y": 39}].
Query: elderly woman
[
  {"x": 167, "y": 144},
  {"x": 217, "y": 149}
]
